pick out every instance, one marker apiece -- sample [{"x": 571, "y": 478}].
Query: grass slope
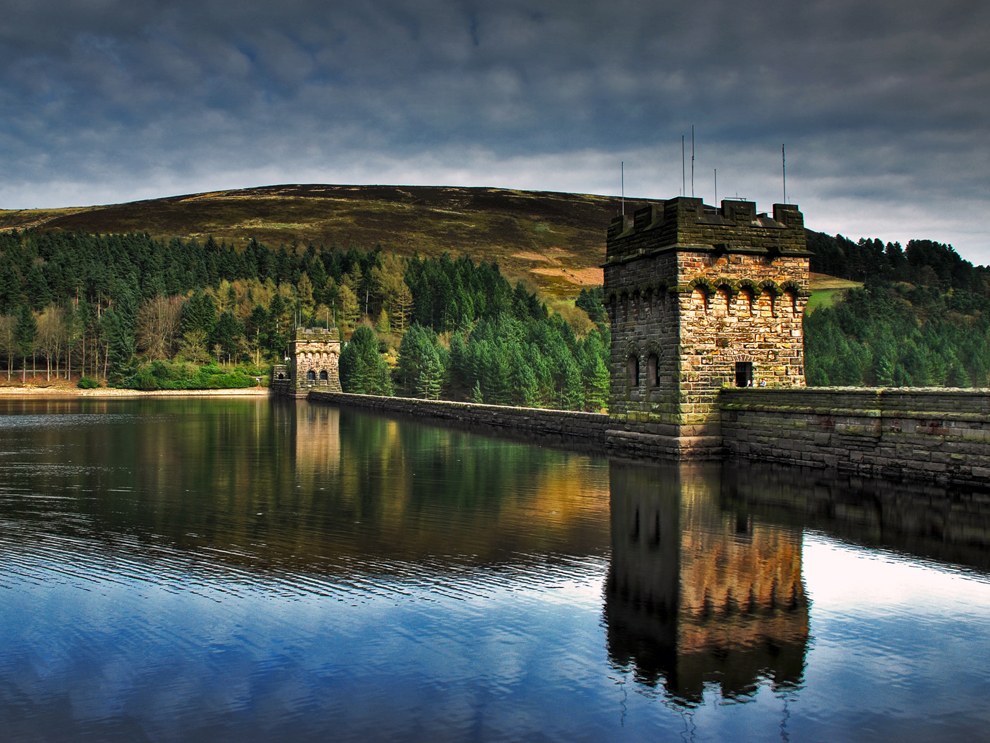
[
  {"x": 827, "y": 290},
  {"x": 556, "y": 240}
]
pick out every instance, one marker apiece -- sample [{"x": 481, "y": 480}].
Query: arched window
[
  {"x": 765, "y": 304},
  {"x": 632, "y": 366},
  {"x": 281, "y": 375},
  {"x": 324, "y": 377},
  {"x": 653, "y": 370},
  {"x": 311, "y": 376},
  {"x": 699, "y": 299},
  {"x": 792, "y": 303},
  {"x": 745, "y": 302},
  {"x": 721, "y": 301}
]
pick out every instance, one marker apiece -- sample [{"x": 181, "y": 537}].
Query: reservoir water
[{"x": 251, "y": 570}]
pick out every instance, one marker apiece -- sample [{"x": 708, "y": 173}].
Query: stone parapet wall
[
  {"x": 936, "y": 435},
  {"x": 933, "y": 435},
  {"x": 562, "y": 425}
]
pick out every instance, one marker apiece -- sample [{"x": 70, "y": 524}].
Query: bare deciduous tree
[
  {"x": 51, "y": 336},
  {"x": 158, "y": 324}
]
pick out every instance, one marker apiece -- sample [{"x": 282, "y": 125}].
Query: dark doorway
[{"x": 744, "y": 374}]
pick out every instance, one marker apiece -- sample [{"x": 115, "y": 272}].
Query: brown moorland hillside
[{"x": 556, "y": 240}]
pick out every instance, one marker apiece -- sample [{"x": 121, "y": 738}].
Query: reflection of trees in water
[
  {"x": 428, "y": 489},
  {"x": 951, "y": 525},
  {"x": 698, "y": 595},
  {"x": 281, "y": 482}
]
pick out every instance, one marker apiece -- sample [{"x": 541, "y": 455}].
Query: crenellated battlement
[
  {"x": 318, "y": 335},
  {"x": 735, "y": 227}
]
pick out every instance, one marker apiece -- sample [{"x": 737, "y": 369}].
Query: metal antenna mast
[
  {"x": 716, "y": 187},
  {"x": 683, "y": 181},
  {"x": 622, "y": 171},
  {"x": 783, "y": 171},
  {"x": 692, "y": 161}
]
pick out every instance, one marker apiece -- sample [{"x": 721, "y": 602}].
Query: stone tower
[
  {"x": 700, "y": 298},
  {"x": 314, "y": 354}
]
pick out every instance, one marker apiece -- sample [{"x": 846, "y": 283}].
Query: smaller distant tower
[{"x": 314, "y": 354}]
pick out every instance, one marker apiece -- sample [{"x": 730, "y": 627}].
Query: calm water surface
[{"x": 249, "y": 570}]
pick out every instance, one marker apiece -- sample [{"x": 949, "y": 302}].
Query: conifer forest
[{"x": 138, "y": 312}]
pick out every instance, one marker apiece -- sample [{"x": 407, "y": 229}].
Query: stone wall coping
[
  {"x": 953, "y": 391},
  {"x": 889, "y": 413},
  {"x": 454, "y": 405}
]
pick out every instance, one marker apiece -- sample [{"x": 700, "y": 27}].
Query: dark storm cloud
[{"x": 883, "y": 105}]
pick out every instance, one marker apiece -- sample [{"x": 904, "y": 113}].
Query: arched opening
[
  {"x": 281, "y": 375},
  {"x": 699, "y": 299},
  {"x": 765, "y": 304},
  {"x": 746, "y": 302},
  {"x": 653, "y": 371},
  {"x": 311, "y": 376},
  {"x": 792, "y": 303},
  {"x": 632, "y": 367},
  {"x": 324, "y": 377},
  {"x": 721, "y": 301}
]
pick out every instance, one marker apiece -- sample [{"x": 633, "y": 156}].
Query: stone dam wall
[
  {"x": 933, "y": 435},
  {"x": 556, "y": 426},
  {"x": 938, "y": 435}
]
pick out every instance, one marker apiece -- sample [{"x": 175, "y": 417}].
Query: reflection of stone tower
[
  {"x": 313, "y": 357},
  {"x": 696, "y": 595},
  {"x": 317, "y": 444},
  {"x": 698, "y": 298}
]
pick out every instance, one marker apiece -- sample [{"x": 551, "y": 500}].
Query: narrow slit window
[
  {"x": 653, "y": 371},
  {"x": 633, "y": 369}
]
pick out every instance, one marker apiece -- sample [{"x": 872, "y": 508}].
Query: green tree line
[
  {"x": 921, "y": 319},
  {"x": 144, "y": 312},
  {"x": 476, "y": 337}
]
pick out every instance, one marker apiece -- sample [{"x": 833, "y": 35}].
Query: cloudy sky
[{"x": 884, "y": 106}]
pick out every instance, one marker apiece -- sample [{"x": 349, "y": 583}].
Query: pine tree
[
  {"x": 36, "y": 288},
  {"x": 382, "y": 325},
  {"x": 429, "y": 380},
  {"x": 597, "y": 386},
  {"x": 525, "y": 392},
  {"x": 363, "y": 371},
  {"x": 572, "y": 397},
  {"x": 10, "y": 287}
]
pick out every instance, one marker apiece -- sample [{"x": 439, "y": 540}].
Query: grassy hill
[
  {"x": 556, "y": 240},
  {"x": 827, "y": 290}
]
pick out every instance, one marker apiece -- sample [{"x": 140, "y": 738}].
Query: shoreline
[{"x": 72, "y": 391}]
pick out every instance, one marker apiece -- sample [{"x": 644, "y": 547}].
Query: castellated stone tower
[
  {"x": 700, "y": 298},
  {"x": 314, "y": 354}
]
